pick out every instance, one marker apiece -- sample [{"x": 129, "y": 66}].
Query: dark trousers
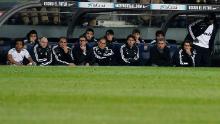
[{"x": 202, "y": 58}]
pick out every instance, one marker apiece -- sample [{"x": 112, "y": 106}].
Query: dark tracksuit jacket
[
  {"x": 160, "y": 58},
  {"x": 42, "y": 56},
  {"x": 129, "y": 55},
  {"x": 92, "y": 40},
  {"x": 181, "y": 58},
  {"x": 198, "y": 28},
  {"x": 30, "y": 46},
  {"x": 141, "y": 40},
  {"x": 62, "y": 58},
  {"x": 103, "y": 57},
  {"x": 81, "y": 58},
  {"x": 110, "y": 43}
]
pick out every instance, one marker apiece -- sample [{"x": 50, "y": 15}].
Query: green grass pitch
[{"x": 109, "y": 95}]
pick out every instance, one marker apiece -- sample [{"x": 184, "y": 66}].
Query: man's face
[
  {"x": 131, "y": 42},
  {"x": 161, "y": 44},
  {"x": 89, "y": 35},
  {"x": 82, "y": 41},
  {"x": 109, "y": 37},
  {"x": 159, "y": 37},
  {"x": 19, "y": 46},
  {"x": 187, "y": 46},
  {"x": 63, "y": 43},
  {"x": 43, "y": 42},
  {"x": 211, "y": 22},
  {"x": 33, "y": 37},
  {"x": 136, "y": 35},
  {"x": 102, "y": 44}
]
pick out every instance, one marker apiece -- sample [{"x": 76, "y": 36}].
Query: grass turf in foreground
[{"x": 109, "y": 95}]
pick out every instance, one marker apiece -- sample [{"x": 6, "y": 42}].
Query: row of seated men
[{"x": 102, "y": 53}]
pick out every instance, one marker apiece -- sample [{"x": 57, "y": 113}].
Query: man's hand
[
  {"x": 31, "y": 64},
  {"x": 188, "y": 51},
  {"x": 83, "y": 48},
  {"x": 87, "y": 64},
  {"x": 18, "y": 63},
  {"x": 65, "y": 49},
  {"x": 71, "y": 64}
]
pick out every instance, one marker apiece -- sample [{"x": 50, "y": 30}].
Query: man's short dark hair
[
  {"x": 89, "y": 30},
  {"x": 159, "y": 32},
  {"x": 110, "y": 31},
  {"x": 102, "y": 38},
  {"x": 161, "y": 40},
  {"x": 31, "y": 32},
  {"x": 130, "y": 36},
  {"x": 136, "y": 31},
  {"x": 187, "y": 41},
  {"x": 19, "y": 40},
  {"x": 82, "y": 36},
  {"x": 62, "y": 38},
  {"x": 210, "y": 16}
]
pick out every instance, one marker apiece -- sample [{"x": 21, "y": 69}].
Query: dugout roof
[{"x": 10, "y": 7}]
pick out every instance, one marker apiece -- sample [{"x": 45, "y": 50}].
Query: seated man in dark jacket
[
  {"x": 62, "y": 53},
  {"x": 82, "y": 52},
  {"x": 137, "y": 34},
  {"x": 102, "y": 54},
  {"x": 185, "y": 57},
  {"x": 130, "y": 52},
  {"x": 160, "y": 54},
  {"x": 43, "y": 53},
  {"x": 109, "y": 35},
  {"x": 30, "y": 41},
  {"x": 90, "y": 35}
]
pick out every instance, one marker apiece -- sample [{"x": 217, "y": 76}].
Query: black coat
[
  {"x": 103, "y": 57},
  {"x": 129, "y": 55},
  {"x": 181, "y": 58},
  {"x": 42, "y": 56},
  {"x": 160, "y": 59},
  {"x": 92, "y": 40},
  {"x": 62, "y": 58},
  {"x": 81, "y": 58}
]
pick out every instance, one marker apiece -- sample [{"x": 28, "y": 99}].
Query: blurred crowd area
[
  {"x": 164, "y": 1},
  {"x": 135, "y": 1},
  {"x": 61, "y": 16}
]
